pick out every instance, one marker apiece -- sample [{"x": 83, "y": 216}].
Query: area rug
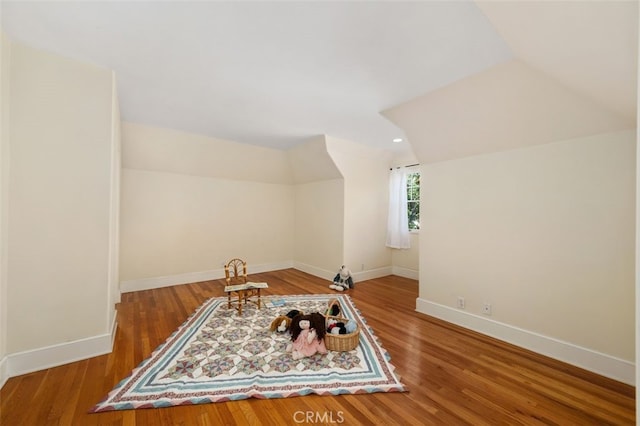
[{"x": 217, "y": 355}]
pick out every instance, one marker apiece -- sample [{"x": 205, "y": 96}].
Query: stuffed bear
[
  {"x": 307, "y": 335},
  {"x": 342, "y": 281}
]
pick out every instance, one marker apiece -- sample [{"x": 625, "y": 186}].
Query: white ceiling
[
  {"x": 278, "y": 73},
  {"x": 267, "y": 73}
]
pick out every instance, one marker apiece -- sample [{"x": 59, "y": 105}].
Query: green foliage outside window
[{"x": 413, "y": 200}]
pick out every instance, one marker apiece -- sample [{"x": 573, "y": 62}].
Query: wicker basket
[
  {"x": 333, "y": 304},
  {"x": 342, "y": 342}
]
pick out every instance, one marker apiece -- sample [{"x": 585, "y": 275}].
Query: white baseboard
[
  {"x": 406, "y": 273},
  {"x": 194, "y": 277},
  {"x": 329, "y": 275},
  {"x": 267, "y": 267},
  {"x": 167, "y": 281},
  {"x": 4, "y": 371},
  {"x": 114, "y": 329},
  {"x": 370, "y": 274},
  {"x": 64, "y": 353},
  {"x": 315, "y": 271},
  {"x": 603, "y": 364},
  {"x": 216, "y": 274}
]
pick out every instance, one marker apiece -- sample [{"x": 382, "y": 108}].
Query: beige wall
[
  {"x": 5, "y": 61},
  {"x": 173, "y": 151},
  {"x": 474, "y": 161},
  {"x": 190, "y": 203},
  {"x": 175, "y": 224},
  {"x": 366, "y": 201},
  {"x": 180, "y": 193},
  {"x": 60, "y": 184},
  {"x": 319, "y": 226},
  {"x": 545, "y": 234},
  {"x": 173, "y": 207},
  {"x": 341, "y": 207},
  {"x": 319, "y": 208},
  {"x": 114, "y": 204},
  {"x": 406, "y": 262},
  {"x": 637, "y": 247}
]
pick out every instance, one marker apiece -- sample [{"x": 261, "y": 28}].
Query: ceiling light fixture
[{"x": 397, "y": 140}]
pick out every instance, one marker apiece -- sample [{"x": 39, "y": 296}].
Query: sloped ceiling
[
  {"x": 310, "y": 161},
  {"x": 278, "y": 73},
  {"x": 590, "y": 46},
  {"x": 509, "y": 106},
  {"x": 266, "y": 73},
  {"x": 574, "y": 76}
]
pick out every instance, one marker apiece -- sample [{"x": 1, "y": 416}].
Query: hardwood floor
[{"x": 454, "y": 376}]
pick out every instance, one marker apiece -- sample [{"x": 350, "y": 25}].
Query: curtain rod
[{"x": 409, "y": 165}]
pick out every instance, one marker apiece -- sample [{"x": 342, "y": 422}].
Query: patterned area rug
[{"x": 217, "y": 356}]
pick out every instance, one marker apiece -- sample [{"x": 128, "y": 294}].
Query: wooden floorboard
[{"x": 454, "y": 376}]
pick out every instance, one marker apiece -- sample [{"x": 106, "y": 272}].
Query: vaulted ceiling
[
  {"x": 278, "y": 73},
  {"x": 573, "y": 75}
]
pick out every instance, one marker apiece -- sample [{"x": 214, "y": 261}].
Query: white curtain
[{"x": 398, "y": 222}]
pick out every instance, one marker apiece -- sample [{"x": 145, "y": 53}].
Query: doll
[
  {"x": 343, "y": 280},
  {"x": 307, "y": 335},
  {"x": 282, "y": 323}
]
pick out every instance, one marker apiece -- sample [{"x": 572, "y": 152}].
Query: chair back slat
[{"x": 235, "y": 271}]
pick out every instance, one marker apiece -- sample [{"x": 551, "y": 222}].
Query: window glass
[{"x": 413, "y": 200}]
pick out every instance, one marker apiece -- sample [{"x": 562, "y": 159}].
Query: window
[
  {"x": 404, "y": 207},
  {"x": 413, "y": 200}
]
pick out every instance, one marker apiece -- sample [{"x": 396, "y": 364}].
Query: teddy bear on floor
[
  {"x": 342, "y": 281},
  {"x": 307, "y": 335}
]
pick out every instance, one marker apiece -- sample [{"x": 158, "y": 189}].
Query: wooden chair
[{"x": 235, "y": 272}]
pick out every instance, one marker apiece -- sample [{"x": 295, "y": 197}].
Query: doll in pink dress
[{"x": 307, "y": 335}]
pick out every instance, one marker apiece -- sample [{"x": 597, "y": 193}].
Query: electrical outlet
[
  {"x": 461, "y": 302},
  {"x": 486, "y": 309}
]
